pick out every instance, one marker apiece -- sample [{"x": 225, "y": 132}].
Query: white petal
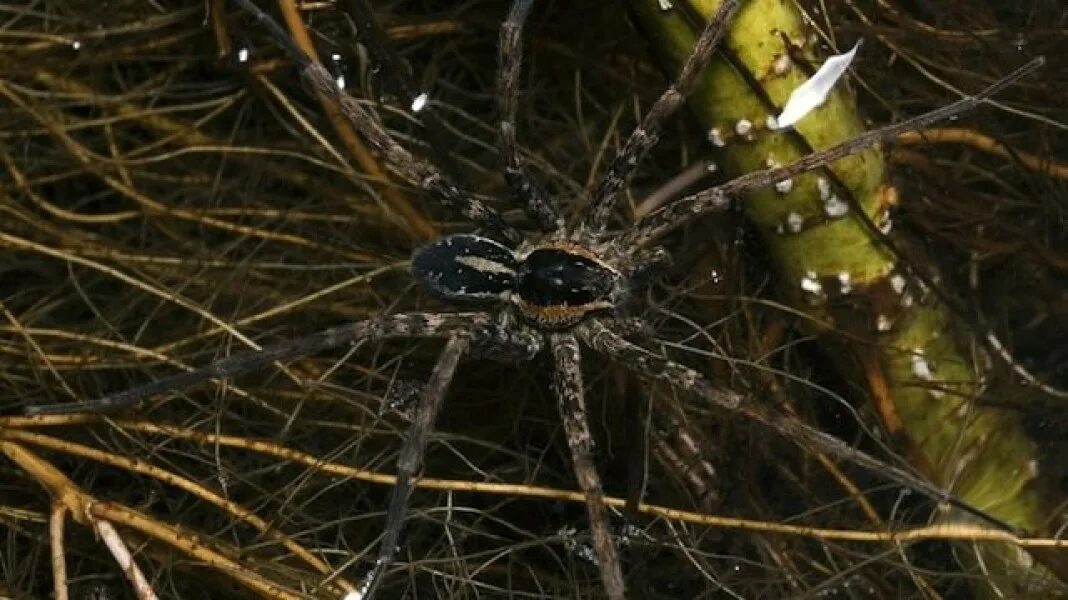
[
  {"x": 419, "y": 102},
  {"x": 813, "y": 92}
]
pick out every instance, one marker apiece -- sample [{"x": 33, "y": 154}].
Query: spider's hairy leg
[
  {"x": 654, "y": 367},
  {"x": 572, "y": 404},
  {"x": 537, "y": 204},
  {"x": 403, "y": 163},
  {"x": 643, "y": 265},
  {"x": 410, "y": 460},
  {"x": 403, "y": 325},
  {"x": 647, "y": 133},
  {"x": 689, "y": 208},
  {"x": 396, "y": 75}
]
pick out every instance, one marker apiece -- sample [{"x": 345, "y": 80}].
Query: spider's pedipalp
[
  {"x": 643, "y": 265},
  {"x": 570, "y": 396}
]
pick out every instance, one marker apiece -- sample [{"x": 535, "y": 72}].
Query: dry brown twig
[{"x": 90, "y": 512}]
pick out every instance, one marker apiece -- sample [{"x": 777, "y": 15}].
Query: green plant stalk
[{"x": 897, "y": 336}]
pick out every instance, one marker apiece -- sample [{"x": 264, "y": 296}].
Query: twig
[
  {"x": 118, "y": 549},
  {"x": 56, "y": 524},
  {"x": 969, "y": 137},
  {"x": 948, "y": 531}
]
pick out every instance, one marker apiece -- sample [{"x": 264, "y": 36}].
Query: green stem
[{"x": 835, "y": 268}]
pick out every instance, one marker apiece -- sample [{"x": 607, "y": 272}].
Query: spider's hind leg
[
  {"x": 572, "y": 405},
  {"x": 416, "y": 171},
  {"x": 411, "y": 455},
  {"x": 651, "y": 366}
]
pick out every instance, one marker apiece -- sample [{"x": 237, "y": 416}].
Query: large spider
[{"x": 560, "y": 288}]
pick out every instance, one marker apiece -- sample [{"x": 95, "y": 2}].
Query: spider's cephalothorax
[{"x": 553, "y": 285}]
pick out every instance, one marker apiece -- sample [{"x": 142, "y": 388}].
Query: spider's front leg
[
  {"x": 647, "y": 133},
  {"x": 572, "y": 404},
  {"x": 685, "y": 210}
]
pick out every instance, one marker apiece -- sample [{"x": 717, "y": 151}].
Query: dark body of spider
[
  {"x": 553, "y": 286},
  {"x": 559, "y": 288}
]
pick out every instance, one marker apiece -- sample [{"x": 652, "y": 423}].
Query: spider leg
[
  {"x": 403, "y": 163},
  {"x": 410, "y": 460},
  {"x": 652, "y": 366},
  {"x": 572, "y": 404},
  {"x": 685, "y": 210},
  {"x": 643, "y": 265},
  {"x": 647, "y": 133},
  {"x": 413, "y": 325},
  {"x": 683, "y": 449},
  {"x": 398, "y": 77},
  {"x": 537, "y": 204}
]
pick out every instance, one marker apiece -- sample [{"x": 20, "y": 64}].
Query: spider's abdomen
[
  {"x": 559, "y": 285},
  {"x": 466, "y": 268}
]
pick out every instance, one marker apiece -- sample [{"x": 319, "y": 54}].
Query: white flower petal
[
  {"x": 419, "y": 102},
  {"x": 813, "y": 92}
]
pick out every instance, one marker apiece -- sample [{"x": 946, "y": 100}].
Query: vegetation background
[{"x": 166, "y": 200}]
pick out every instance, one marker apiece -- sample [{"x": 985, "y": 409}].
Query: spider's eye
[{"x": 466, "y": 268}]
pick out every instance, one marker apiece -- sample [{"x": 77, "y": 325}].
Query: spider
[{"x": 555, "y": 289}]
